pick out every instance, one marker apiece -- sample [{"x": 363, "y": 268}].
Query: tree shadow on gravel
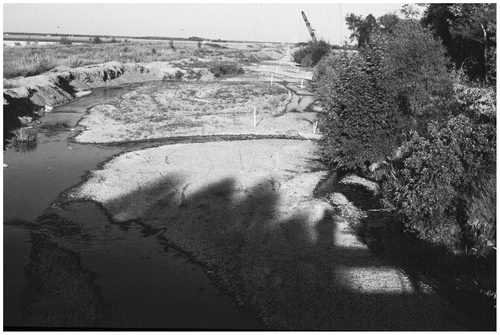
[
  {"x": 290, "y": 266},
  {"x": 426, "y": 264},
  {"x": 284, "y": 264}
]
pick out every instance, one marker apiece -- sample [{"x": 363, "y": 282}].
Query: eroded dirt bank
[
  {"x": 30, "y": 95},
  {"x": 247, "y": 211}
]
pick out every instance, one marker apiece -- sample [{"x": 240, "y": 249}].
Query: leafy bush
[
  {"x": 443, "y": 181},
  {"x": 74, "y": 62},
  {"x": 375, "y": 97},
  {"x": 226, "y": 69},
  {"x": 416, "y": 65},
  {"x": 178, "y": 75},
  {"x": 363, "y": 123},
  {"x": 481, "y": 213},
  {"x": 468, "y": 31},
  {"x": 64, "y": 41},
  {"x": 311, "y": 54},
  {"x": 95, "y": 40}
]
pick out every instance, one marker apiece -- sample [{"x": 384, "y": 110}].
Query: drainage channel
[
  {"x": 141, "y": 282},
  {"x": 135, "y": 280}
]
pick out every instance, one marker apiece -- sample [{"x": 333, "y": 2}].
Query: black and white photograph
[{"x": 254, "y": 166}]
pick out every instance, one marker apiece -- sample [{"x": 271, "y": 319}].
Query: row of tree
[
  {"x": 467, "y": 31},
  {"x": 395, "y": 100}
]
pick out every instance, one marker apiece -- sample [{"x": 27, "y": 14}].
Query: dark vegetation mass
[
  {"x": 310, "y": 54},
  {"x": 414, "y": 107}
]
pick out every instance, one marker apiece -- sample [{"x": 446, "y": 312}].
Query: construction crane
[{"x": 311, "y": 30}]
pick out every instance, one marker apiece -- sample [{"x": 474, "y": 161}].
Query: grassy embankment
[{"x": 33, "y": 59}]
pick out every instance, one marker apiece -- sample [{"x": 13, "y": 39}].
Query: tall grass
[
  {"x": 27, "y": 66},
  {"x": 32, "y": 60},
  {"x": 24, "y": 139},
  {"x": 226, "y": 69}
]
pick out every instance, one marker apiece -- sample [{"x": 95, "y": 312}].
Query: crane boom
[{"x": 311, "y": 30}]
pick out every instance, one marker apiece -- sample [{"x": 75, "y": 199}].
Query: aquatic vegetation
[
  {"x": 24, "y": 139},
  {"x": 51, "y": 129}
]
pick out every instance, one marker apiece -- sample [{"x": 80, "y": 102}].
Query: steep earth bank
[{"x": 31, "y": 96}]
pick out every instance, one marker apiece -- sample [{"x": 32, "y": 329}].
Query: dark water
[{"x": 136, "y": 281}]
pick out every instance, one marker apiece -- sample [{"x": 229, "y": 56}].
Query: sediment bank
[{"x": 31, "y": 95}]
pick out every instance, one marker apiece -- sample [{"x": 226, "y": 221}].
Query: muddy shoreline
[{"x": 33, "y": 316}]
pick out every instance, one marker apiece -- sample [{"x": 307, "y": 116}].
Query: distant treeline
[{"x": 193, "y": 38}]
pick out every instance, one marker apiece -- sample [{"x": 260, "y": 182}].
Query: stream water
[{"x": 139, "y": 281}]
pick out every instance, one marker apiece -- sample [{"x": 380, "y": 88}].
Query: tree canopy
[{"x": 468, "y": 31}]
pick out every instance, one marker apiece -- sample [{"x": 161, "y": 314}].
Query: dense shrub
[
  {"x": 480, "y": 231},
  {"x": 416, "y": 64},
  {"x": 311, "y": 54},
  {"x": 64, "y": 41},
  {"x": 443, "y": 183},
  {"x": 468, "y": 31},
  {"x": 363, "y": 122},
  {"x": 178, "y": 75},
  {"x": 95, "y": 40},
  {"x": 226, "y": 69},
  {"x": 396, "y": 93},
  {"x": 375, "y": 97},
  {"x": 74, "y": 62}
]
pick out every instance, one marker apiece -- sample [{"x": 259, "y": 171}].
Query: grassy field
[{"x": 31, "y": 60}]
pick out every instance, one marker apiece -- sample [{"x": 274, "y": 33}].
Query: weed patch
[
  {"x": 24, "y": 139},
  {"x": 54, "y": 128}
]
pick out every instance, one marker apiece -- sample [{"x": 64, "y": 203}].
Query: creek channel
[{"x": 139, "y": 281}]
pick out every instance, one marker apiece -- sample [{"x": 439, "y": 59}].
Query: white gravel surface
[{"x": 246, "y": 210}]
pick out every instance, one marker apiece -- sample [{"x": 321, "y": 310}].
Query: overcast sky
[{"x": 267, "y": 22}]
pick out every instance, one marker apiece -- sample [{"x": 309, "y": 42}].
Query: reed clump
[{"x": 24, "y": 139}]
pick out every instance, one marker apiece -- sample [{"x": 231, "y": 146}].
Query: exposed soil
[
  {"x": 32, "y": 96},
  {"x": 196, "y": 109}
]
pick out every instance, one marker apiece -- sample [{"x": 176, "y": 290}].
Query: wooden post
[
  {"x": 255, "y": 117},
  {"x": 271, "y": 80},
  {"x": 301, "y": 83}
]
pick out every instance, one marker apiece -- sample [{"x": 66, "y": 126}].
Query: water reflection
[
  {"x": 24, "y": 146},
  {"x": 25, "y": 139}
]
